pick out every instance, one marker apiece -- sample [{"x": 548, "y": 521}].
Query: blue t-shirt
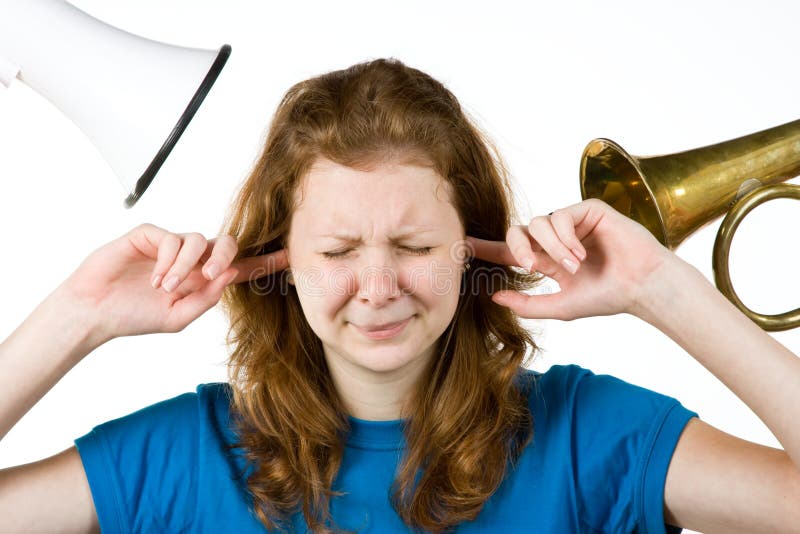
[{"x": 597, "y": 463}]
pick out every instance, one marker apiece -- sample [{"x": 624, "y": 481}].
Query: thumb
[
  {"x": 530, "y": 306},
  {"x": 195, "y": 304}
]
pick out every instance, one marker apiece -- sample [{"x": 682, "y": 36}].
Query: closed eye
[{"x": 419, "y": 251}]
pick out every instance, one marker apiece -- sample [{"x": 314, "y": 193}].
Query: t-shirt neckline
[{"x": 376, "y": 435}]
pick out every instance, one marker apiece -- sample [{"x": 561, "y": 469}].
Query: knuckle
[
  {"x": 171, "y": 239},
  {"x": 143, "y": 228},
  {"x": 195, "y": 237},
  {"x": 538, "y": 221}
]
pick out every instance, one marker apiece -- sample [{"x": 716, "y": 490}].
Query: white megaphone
[{"x": 133, "y": 97}]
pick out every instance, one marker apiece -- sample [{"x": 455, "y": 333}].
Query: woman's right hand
[{"x": 124, "y": 284}]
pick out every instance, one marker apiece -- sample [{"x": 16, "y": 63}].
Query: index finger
[
  {"x": 256, "y": 267},
  {"x": 492, "y": 251}
]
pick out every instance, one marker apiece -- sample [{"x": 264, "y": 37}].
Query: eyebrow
[{"x": 394, "y": 238}]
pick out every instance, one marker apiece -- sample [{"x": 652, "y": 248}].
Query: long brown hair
[{"x": 469, "y": 421}]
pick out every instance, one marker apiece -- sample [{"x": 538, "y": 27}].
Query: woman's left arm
[
  {"x": 685, "y": 306},
  {"x": 715, "y": 482},
  {"x": 718, "y": 482}
]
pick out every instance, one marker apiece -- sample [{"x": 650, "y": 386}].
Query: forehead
[{"x": 401, "y": 196}]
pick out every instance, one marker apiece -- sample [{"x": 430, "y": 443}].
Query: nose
[{"x": 378, "y": 283}]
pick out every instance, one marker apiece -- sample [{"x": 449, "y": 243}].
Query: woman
[{"x": 383, "y": 386}]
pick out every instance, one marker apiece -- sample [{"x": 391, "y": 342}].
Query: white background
[{"x": 544, "y": 80}]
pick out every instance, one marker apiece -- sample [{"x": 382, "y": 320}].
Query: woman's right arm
[
  {"x": 109, "y": 295},
  {"x": 52, "y": 494},
  {"x": 53, "y": 339}
]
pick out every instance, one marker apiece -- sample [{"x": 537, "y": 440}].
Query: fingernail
[
  {"x": 570, "y": 265},
  {"x": 212, "y": 271},
  {"x": 581, "y": 255},
  {"x": 156, "y": 279},
  {"x": 171, "y": 283},
  {"x": 528, "y": 263}
]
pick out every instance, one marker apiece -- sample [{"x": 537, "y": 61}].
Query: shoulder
[
  {"x": 582, "y": 389},
  {"x": 165, "y": 412},
  {"x": 557, "y": 376},
  {"x": 180, "y": 418},
  {"x": 578, "y": 406},
  {"x": 144, "y": 468},
  {"x": 213, "y": 401},
  {"x": 619, "y": 437},
  {"x": 213, "y": 396},
  {"x": 214, "y": 390}
]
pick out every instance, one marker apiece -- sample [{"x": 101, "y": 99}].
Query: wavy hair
[{"x": 468, "y": 419}]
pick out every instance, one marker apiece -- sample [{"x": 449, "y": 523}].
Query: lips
[
  {"x": 384, "y": 331},
  {"x": 379, "y": 327}
]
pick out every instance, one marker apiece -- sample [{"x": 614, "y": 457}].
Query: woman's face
[{"x": 368, "y": 248}]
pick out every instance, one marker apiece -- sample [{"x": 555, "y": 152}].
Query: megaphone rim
[{"x": 149, "y": 174}]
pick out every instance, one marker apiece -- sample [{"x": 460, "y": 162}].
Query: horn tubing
[{"x": 722, "y": 245}]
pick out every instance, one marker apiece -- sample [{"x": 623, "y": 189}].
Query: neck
[{"x": 371, "y": 395}]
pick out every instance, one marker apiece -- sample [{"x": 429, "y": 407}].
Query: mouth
[{"x": 384, "y": 331}]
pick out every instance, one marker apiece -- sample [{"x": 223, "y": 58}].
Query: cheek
[
  {"x": 323, "y": 281},
  {"x": 437, "y": 284},
  {"x": 437, "y": 279},
  {"x": 317, "y": 292}
]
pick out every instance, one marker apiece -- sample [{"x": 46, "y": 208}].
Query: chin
[{"x": 384, "y": 359}]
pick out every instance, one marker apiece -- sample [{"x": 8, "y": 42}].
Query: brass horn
[{"x": 675, "y": 195}]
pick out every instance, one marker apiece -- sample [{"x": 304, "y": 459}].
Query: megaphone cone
[{"x": 132, "y": 96}]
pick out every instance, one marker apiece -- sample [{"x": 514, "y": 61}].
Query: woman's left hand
[{"x": 616, "y": 259}]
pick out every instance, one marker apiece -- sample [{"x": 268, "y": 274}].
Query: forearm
[
  {"x": 51, "y": 340},
  {"x": 764, "y": 374}
]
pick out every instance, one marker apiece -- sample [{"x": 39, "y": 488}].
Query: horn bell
[{"x": 675, "y": 195}]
